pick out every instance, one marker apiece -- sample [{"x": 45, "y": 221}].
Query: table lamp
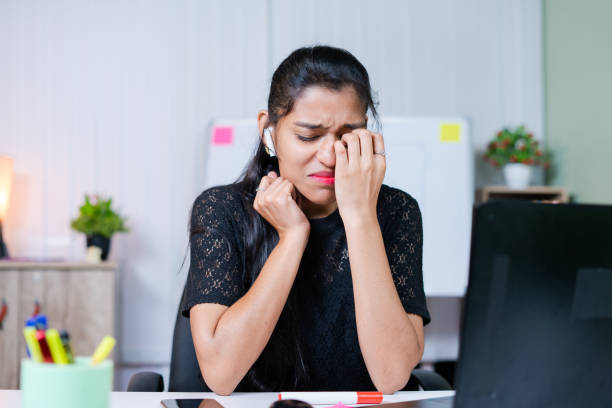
[{"x": 6, "y": 177}]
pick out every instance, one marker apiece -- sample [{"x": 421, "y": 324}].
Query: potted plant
[
  {"x": 516, "y": 152},
  {"x": 98, "y": 221}
]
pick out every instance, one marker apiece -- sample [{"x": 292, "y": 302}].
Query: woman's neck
[{"x": 317, "y": 211}]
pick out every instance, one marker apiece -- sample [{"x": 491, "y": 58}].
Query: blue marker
[{"x": 39, "y": 322}]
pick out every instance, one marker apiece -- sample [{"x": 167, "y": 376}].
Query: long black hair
[{"x": 281, "y": 364}]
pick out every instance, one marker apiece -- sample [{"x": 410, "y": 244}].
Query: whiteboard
[{"x": 428, "y": 157}]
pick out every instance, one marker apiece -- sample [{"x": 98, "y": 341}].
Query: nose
[{"x": 326, "y": 153}]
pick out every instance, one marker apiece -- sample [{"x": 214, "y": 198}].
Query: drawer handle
[
  {"x": 3, "y": 311},
  {"x": 36, "y": 308}
]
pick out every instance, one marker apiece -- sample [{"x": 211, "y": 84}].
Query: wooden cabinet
[
  {"x": 9, "y": 341},
  {"x": 77, "y": 297}
]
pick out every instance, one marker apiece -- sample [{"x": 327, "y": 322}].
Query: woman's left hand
[{"x": 359, "y": 173}]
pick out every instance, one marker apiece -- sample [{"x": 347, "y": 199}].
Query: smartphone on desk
[{"x": 191, "y": 403}]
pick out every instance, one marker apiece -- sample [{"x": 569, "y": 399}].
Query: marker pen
[
  {"x": 55, "y": 346},
  {"x": 347, "y": 398},
  {"x": 103, "y": 350},
  {"x": 66, "y": 343},
  {"x": 29, "y": 333},
  {"x": 44, "y": 347}
]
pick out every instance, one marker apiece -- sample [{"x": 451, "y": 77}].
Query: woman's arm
[
  {"x": 228, "y": 341},
  {"x": 391, "y": 340}
]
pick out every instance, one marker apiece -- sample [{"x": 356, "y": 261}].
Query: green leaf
[
  {"x": 98, "y": 218},
  {"x": 507, "y": 143}
]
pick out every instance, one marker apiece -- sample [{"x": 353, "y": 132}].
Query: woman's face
[{"x": 304, "y": 142}]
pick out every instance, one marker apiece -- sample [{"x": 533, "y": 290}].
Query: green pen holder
[{"x": 75, "y": 385}]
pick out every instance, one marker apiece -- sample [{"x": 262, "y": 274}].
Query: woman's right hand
[{"x": 275, "y": 202}]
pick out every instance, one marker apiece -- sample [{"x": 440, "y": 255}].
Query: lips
[{"x": 325, "y": 177}]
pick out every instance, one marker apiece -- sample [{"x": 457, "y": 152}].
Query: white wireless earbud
[{"x": 268, "y": 143}]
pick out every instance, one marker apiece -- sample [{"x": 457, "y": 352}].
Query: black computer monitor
[{"x": 537, "y": 326}]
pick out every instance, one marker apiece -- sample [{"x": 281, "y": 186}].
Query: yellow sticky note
[{"x": 450, "y": 132}]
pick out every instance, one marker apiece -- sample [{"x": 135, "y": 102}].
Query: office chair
[{"x": 185, "y": 375}]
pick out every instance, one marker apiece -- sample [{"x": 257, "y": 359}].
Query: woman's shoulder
[
  {"x": 396, "y": 207},
  {"x": 391, "y": 198},
  {"x": 218, "y": 203},
  {"x": 226, "y": 195}
]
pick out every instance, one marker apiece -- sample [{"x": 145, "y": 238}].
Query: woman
[{"x": 306, "y": 273}]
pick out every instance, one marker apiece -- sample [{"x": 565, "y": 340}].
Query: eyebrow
[{"x": 319, "y": 126}]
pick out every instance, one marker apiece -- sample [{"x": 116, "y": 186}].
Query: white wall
[{"x": 114, "y": 97}]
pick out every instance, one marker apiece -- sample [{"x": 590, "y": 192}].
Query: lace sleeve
[
  {"x": 404, "y": 246},
  {"x": 215, "y": 266}
]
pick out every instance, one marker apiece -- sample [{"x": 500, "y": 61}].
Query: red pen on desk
[{"x": 347, "y": 398}]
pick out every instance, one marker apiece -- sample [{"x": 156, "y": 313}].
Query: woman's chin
[{"x": 321, "y": 197}]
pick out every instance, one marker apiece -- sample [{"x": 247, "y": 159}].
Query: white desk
[{"x": 12, "y": 398}]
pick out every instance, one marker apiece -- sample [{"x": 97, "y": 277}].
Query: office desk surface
[{"x": 12, "y": 398}]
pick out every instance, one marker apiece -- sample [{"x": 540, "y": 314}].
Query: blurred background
[{"x": 116, "y": 98}]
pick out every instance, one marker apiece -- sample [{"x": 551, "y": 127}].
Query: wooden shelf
[{"x": 543, "y": 194}]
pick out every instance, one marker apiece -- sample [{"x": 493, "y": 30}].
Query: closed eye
[
  {"x": 307, "y": 139},
  {"x": 312, "y": 138}
]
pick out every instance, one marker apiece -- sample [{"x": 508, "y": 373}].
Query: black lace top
[{"x": 328, "y": 324}]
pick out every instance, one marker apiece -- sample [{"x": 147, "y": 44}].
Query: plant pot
[
  {"x": 101, "y": 242},
  {"x": 517, "y": 175}
]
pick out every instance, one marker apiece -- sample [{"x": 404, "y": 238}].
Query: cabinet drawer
[
  {"x": 47, "y": 289},
  {"x": 90, "y": 309},
  {"x": 10, "y": 331}
]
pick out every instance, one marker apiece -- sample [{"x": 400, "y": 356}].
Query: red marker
[
  {"x": 44, "y": 347},
  {"x": 347, "y": 398}
]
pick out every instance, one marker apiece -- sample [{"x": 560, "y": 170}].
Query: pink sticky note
[{"x": 223, "y": 135}]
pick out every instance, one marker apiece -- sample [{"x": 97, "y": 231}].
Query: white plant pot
[{"x": 517, "y": 175}]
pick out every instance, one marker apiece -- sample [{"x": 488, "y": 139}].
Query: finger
[
  {"x": 353, "y": 148},
  {"x": 264, "y": 183},
  {"x": 265, "y": 186},
  {"x": 272, "y": 174},
  {"x": 341, "y": 155},
  {"x": 365, "y": 140},
  {"x": 279, "y": 192},
  {"x": 379, "y": 144},
  {"x": 286, "y": 188},
  {"x": 274, "y": 186}
]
